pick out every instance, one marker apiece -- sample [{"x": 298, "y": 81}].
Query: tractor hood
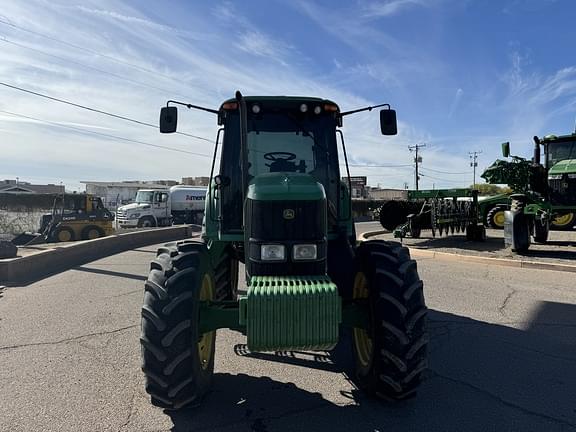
[
  {"x": 567, "y": 166},
  {"x": 134, "y": 206},
  {"x": 284, "y": 187}
]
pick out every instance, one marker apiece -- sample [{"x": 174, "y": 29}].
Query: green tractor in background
[
  {"x": 278, "y": 206},
  {"x": 542, "y": 194}
]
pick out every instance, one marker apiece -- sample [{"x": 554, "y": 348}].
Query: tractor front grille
[{"x": 287, "y": 223}]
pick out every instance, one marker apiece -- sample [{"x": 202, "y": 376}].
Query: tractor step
[{"x": 283, "y": 313}]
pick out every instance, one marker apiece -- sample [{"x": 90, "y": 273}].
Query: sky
[{"x": 462, "y": 75}]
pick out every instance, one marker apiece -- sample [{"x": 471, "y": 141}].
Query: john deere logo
[{"x": 288, "y": 214}]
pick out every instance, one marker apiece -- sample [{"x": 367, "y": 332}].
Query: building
[
  {"x": 195, "y": 181},
  {"x": 115, "y": 194},
  {"x": 387, "y": 194},
  {"x": 15, "y": 186}
]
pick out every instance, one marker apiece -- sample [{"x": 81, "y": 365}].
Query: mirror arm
[
  {"x": 370, "y": 108},
  {"x": 190, "y": 106}
]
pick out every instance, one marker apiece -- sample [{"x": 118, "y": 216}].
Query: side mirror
[
  {"x": 506, "y": 149},
  {"x": 222, "y": 181},
  {"x": 168, "y": 119},
  {"x": 388, "y": 125}
]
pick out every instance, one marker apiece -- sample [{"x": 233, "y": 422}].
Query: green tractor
[
  {"x": 277, "y": 205},
  {"x": 543, "y": 194}
]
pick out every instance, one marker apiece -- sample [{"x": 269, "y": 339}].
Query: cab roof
[
  {"x": 288, "y": 102},
  {"x": 558, "y": 138}
]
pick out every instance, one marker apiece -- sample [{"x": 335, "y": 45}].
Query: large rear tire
[
  {"x": 177, "y": 360},
  {"x": 392, "y": 354}
]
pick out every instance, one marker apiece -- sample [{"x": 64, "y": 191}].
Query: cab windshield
[
  {"x": 282, "y": 142},
  {"x": 560, "y": 151},
  {"x": 143, "y": 197}
]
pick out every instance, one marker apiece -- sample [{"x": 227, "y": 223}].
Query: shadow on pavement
[
  {"x": 456, "y": 241},
  {"x": 111, "y": 273},
  {"x": 482, "y": 377}
]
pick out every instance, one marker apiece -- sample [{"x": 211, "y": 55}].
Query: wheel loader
[
  {"x": 276, "y": 204},
  {"x": 73, "y": 217}
]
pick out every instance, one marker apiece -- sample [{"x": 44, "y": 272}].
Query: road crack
[
  {"x": 506, "y": 301},
  {"x": 75, "y": 338},
  {"x": 501, "y": 400},
  {"x": 130, "y": 411}
]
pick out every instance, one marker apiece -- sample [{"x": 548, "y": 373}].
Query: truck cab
[{"x": 150, "y": 208}]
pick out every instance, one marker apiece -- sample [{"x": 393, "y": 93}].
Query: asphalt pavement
[{"x": 502, "y": 358}]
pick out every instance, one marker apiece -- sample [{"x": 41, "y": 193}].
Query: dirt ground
[{"x": 560, "y": 248}]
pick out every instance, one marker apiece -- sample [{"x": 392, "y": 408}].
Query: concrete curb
[
  {"x": 50, "y": 261},
  {"x": 447, "y": 256}
]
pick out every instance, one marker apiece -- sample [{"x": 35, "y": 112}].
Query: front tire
[
  {"x": 146, "y": 222},
  {"x": 541, "y": 231},
  {"x": 564, "y": 222},
  {"x": 495, "y": 217},
  {"x": 520, "y": 226},
  {"x": 392, "y": 354},
  {"x": 178, "y": 361}
]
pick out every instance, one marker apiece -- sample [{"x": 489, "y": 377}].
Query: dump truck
[
  {"x": 541, "y": 192},
  {"x": 163, "y": 207},
  {"x": 276, "y": 204},
  {"x": 73, "y": 217}
]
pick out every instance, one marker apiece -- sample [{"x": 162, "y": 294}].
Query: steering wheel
[{"x": 279, "y": 156}]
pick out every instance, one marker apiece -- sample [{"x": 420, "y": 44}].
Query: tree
[{"x": 490, "y": 189}]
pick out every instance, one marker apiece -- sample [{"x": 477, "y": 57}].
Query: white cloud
[
  {"x": 386, "y": 8},
  {"x": 202, "y": 73}
]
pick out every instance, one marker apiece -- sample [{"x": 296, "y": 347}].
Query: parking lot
[{"x": 502, "y": 355}]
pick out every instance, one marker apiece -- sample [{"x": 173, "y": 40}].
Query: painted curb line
[{"x": 447, "y": 256}]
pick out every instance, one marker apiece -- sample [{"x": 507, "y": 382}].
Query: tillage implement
[
  {"x": 277, "y": 205},
  {"x": 443, "y": 211}
]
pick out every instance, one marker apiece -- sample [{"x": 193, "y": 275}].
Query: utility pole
[
  {"x": 417, "y": 160},
  {"x": 474, "y": 163}
]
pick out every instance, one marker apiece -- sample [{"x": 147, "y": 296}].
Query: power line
[
  {"x": 116, "y": 137},
  {"x": 163, "y": 90},
  {"x": 96, "y": 110},
  {"x": 441, "y": 179},
  {"x": 379, "y": 166},
  {"x": 87, "y": 50},
  {"x": 443, "y": 172}
]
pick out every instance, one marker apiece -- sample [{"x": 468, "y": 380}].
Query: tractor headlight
[
  {"x": 272, "y": 252},
  {"x": 301, "y": 252},
  {"x": 134, "y": 215}
]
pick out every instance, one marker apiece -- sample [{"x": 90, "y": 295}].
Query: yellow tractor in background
[{"x": 73, "y": 217}]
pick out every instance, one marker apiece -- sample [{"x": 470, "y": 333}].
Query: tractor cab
[
  {"x": 560, "y": 152},
  {"x": 287, "y": 141}
]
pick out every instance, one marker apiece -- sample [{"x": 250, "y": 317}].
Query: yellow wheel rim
[
  {"x": 563, "y": 220},
  {"x": 207, "y": 340},
  {"x": 64, "y": 236},
  {"x": 499, "y": 218},
  {"x": 362, "y": 341}
]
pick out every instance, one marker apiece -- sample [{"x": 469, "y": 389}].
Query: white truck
[{"x": 163, "y": 207}]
